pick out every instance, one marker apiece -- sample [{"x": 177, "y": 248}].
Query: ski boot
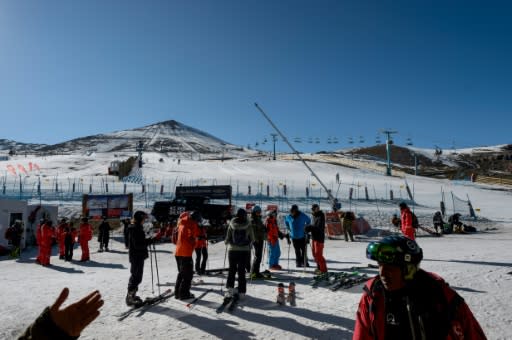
[
  {"x": 280, "y": 294},
  {"x": 132, "y": 299},
  {"x": 291, "y": 294},
  {"x": 100, "y": 250}
]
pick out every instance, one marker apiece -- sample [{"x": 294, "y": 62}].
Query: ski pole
[
  {"x": 156, "y": 267},
  {"x": 289, "y": 242},
  {"x": 224, "y": 266},
  {"x": 151, "y": 262}
]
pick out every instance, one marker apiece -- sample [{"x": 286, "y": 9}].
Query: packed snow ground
[{"x": 477, "y": 265}]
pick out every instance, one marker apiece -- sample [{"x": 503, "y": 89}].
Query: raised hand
[{"x": 75, "y": 317}]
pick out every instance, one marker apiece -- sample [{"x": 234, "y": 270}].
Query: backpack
[
  {"x": 240, "y": 237},
  {"x": 415, "y": 223}
]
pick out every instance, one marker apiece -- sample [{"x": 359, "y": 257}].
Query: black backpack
[{"x": 240, "y": 237}]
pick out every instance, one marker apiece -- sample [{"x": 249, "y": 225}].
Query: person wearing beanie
[
  {"x": 295, "y": 223},
  {"x": 137, "y": 253},
  {"x": 317, "y": 230},
  {"x": 239, "y": 237},
  {"x": 406, "y": 302},
  {"x": 259, "y": 230}
]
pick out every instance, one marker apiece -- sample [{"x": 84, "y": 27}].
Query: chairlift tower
[
  {"x": 389, "y": 141},
  {"x": 139, "y": 149},
  {"x": 274, "y": 140}
]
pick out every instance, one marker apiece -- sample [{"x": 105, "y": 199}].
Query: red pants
[
  {"x": 408, "y": 232},
  {"x": 45, "y": 252},
  {"x": 85, "y": 249},
  {"x": 317, "y": 249}
]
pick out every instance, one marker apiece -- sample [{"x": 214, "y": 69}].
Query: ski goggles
[{"x": 382, "y": 253}]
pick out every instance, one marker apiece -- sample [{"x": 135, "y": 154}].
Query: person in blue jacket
[{"x": 295, "y": 223}]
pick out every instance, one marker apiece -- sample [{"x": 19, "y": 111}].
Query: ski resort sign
[{"x": 109, "y": 206}]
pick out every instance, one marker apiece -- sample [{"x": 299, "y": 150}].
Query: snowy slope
[{"x": 478, "y": 265}]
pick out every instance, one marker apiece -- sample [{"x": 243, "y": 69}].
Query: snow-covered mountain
[{"x": 167, "y": 136}]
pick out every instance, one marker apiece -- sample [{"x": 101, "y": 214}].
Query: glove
[
  {"x": 288, "y": 238},
  {"x": 308, "y": 237},
  {"x": 307, "y": 229},
  {"x": 280, "y": 235}
]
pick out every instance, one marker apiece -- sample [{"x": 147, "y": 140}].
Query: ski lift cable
[{"x": 331, "y": 198}]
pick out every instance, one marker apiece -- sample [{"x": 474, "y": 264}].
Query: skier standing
[
  {"x": 201, "y": 251},
  {"x": 348, "y": 218},
  {"x": 104, "y": 234},
  {"x": 126, "y": 224},
  {"x": 137, "y": 253},
  {"x": 259, "y": 230},
  {"x": 238, "y": 240},
  {"x": 38, "y": 240},
  {"x": 70, "y": 234},
  {"x": 273, "y": 236},
  {"x": 406, "y": 221},
  {"x": 188, "y": 231},
  {"x": 295, "y": 223},
  {"x": 47, "y": 235},
  {"x": 61, "y": 234},
  {"x": 317, "y": 230},
  {"x": 406, "y": 302},
  {"x": 13, "y": 235},
  {"x": 85, "y": 235}
]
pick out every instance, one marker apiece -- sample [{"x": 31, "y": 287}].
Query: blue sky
[{"x": 438, "y": 72}]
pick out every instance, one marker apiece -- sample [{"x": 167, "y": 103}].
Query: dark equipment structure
[{"x": 197, "y": 198}]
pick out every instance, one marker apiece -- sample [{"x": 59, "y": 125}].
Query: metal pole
[{"x": 331, "y": 198}]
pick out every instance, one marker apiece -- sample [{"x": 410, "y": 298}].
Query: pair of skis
[
  {"x": 146, "y": 304},
  {"x": 230, "y": 302},
  {"x": 283, "y": 298}
]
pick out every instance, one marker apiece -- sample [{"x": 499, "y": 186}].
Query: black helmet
[
  {"x": 139, "y": 216},
  {"x": 241, "y": 213},
  {"x": 397, "y": 250}
]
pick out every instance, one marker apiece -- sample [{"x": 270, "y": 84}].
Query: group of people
[
  {"x": 65, "y": 235},
  {"x": 401, "y": 302},
  {"x": 408, "y": 222}
]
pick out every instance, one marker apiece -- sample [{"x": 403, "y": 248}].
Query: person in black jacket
[
  {"x": 317, "y": 230},
  {"x": 104, "y": 234},
  {"x": 138, "y": 252}
]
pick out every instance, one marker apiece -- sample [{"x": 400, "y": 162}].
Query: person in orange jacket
[
  {"x": 61, "y": 234},
  {"x": 85, "y": 235},
  {"x": 188, "y": 232},
  {"x": 406, "y": 221},
  {"x": 47, "y": 235}
]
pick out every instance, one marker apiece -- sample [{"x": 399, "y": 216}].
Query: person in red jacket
[
  {"x": 47, "y": 235},
  {"x": 85, "y": 235},
  {"x": 201, "y": 251},
  {"x": 61, "y": 234},
  {"x": 188, "y": 232},
  {"x": 273, "y": 236},
  {"x": 406, "y": 221},
  {"x": 405, "y": 302}
]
